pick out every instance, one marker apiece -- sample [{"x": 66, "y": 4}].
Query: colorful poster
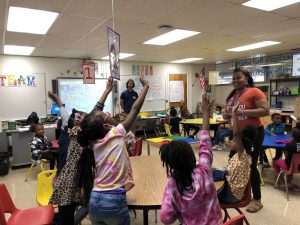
[
  {"x": 88, "y": 72},
  {"x": 18, "y": 81},
  {"x": 114, "y": 52},
  {"x": 296, "y": 65}
]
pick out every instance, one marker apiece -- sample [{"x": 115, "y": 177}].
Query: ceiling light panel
[
  {"x": 29, "y": 20},
  {"x": 171, "y": 37},
  {"x": 17, "y": 50},
  {"x": 253, "y": 46},
  {"x": 186, "y": 60},
  {"x": 122, "y": 56},
  {"x": 269, "y": 5}
]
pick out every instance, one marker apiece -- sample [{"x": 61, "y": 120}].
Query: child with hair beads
[
  {"x": 40, "y": 147},
  {"x": 239, "y": 165},
  {"x": 113, "y": 173},
  {"x": 190, "y": 195}
]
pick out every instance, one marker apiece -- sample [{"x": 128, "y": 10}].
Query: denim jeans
[
  {"x": 221, "y": 134},
  {"x": 108, "y": 209}
]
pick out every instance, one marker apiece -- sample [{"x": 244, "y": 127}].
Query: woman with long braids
[{"x": 253, "y": 105}]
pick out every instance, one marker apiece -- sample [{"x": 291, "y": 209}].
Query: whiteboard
[
  {"x": 176, "y": 90},
  {"x": 83, "y": 97},
  {"x": 156, "y": 96},
  {"x": 19, "y": 102}
]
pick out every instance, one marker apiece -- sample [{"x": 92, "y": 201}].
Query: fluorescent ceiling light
[
  {"x": 269, "y": 5},
  {"x": 122, "y": 56},
  {"x": 170, "y": 37},
  {"x": 186, "y": 60},
  {"x": 17, "y": 50},
  {"x": 29, "y": 20},
  {"x": 253, "y": 46},
  {"x": 271, "y": 64}
]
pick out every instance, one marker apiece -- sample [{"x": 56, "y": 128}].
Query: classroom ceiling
[{"x": 80, "y": 29}]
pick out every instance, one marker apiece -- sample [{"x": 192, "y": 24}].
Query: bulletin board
[
  {"x": 156, "y": 96},
  {"x": 17, "y": 102}
]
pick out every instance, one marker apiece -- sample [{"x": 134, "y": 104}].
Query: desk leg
[
  {"x": 148, "y": 148},
  {"x": 145, "y": 216}
]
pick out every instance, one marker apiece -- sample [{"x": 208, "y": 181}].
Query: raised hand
[
  {"x": 109, "y": 84},
  {"x": 53, "y": 96},
  {"x": 206, "y": 104},
  {"x": 143, "y": 81}
]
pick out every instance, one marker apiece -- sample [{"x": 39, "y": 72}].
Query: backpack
[{"x": 32, "y": 119}]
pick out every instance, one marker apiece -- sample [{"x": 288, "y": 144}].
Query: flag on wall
[{"x": 202, "y": 78}]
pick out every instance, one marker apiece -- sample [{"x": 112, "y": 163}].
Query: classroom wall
[{"x": 58, "y": 67}]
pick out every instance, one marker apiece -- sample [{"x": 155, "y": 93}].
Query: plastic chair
[
  {"x": 241, "y": 204},
  {"x": 168, "y": 129},
  {"x": 237, "y": 220},
  {"x": 151, "y": 126},
  {"x": 294, "y": 168},
  {"x": 35, "y": 163},
  {"x": 45, "y": 189},
  {"x": 137, "y": 151},
  {"x": 41, "y": 215}
]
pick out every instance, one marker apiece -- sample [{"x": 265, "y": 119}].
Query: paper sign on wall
[
  {"x": 88, "y": 72},
  {"x": 17, "y": 81},
  {"x": 176, "y": 90}
]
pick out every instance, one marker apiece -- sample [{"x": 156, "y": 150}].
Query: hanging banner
[
  {"x": 114, "y": 52},
  {"x": 88, "y": 72},
  {"x": 17, "y": 81}
]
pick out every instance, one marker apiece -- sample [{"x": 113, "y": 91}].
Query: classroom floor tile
[{"x": 276, "y": 211}]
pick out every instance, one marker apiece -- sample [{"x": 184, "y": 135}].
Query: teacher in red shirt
[{"x": 253, "y": 105}]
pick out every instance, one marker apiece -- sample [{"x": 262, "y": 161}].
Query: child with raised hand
[
  {"x": 73, "y": 185},
  {"x": 113, "y": 175},
  {"x": 190, "y": 195},
  {"x": 238, "y": 169}
]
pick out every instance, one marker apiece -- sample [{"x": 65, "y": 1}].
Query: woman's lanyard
[{"x": 233, "y": 100}]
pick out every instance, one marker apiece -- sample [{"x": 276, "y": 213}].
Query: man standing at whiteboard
[{"x": 128, "y": 97}]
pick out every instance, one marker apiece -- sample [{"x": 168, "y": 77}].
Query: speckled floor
[{"x": 277, "y": 210}]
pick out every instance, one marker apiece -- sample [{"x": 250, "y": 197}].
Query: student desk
[
  {"x": 199, "y": 121},
  {"x": 270, "y": 141},
  {"x": 150, "y": 180},
  {"x": 157, "y": 142},
  {"x": 20, "y": 139}
]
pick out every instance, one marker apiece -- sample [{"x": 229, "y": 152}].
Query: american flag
[{"x": 202, "y": 78}]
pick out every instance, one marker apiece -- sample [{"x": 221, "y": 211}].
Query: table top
[
  {"x": 171, "y": 138},
  {"x": 199, "y": 121},
  {"x": 150, "y": 179},
  {"x": 270, "y": 141}
]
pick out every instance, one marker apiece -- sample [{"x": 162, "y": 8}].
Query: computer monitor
[{"x": 55, "y": 109}]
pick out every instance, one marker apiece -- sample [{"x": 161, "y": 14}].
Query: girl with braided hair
[{"x": 190, "y": 195}]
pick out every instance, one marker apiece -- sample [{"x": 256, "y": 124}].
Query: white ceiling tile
[
  {"x": 94, "y": 8},
  {"x": 292, "y": 11},
  {"x": 73, "y": 54},
  {"x": 88, "y": 44},
  {"x": 47, "y": 52},
  {"x": 50, "y": 41},
  {"x": 73, "y": 26},
  {"x": 22, "y": 39}
]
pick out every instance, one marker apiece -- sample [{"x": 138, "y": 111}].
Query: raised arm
[
  {"x": 236, "y": 129},
  {"x": 63, "y": 112},
  {"x": 136, "y": 105},
  {"x": 205, "y": 149},
  {"x": 109, "y": 86}
]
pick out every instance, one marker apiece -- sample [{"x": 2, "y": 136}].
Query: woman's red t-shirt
[{"x": 247, "y": 101}]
